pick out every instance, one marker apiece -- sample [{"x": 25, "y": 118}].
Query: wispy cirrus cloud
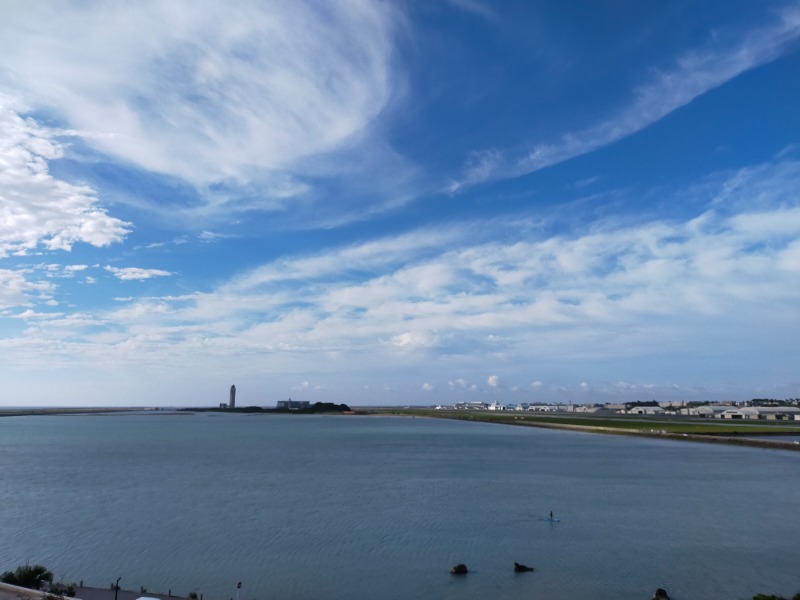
[
  {"x": 231, "y": 93},
  {"x": 374, "y": 256},
  {"x": 453, "y": 309},
  {"x": 136, "y": 273},
  {"x": 207, "y": 138},
  {"x": 693, "y": 74},
  {"x": 474, "y": 6}
]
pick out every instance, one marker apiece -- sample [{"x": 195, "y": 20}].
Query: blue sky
[{"x": 399, "y": 202}]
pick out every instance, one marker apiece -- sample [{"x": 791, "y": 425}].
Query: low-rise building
[
  {"x": 764, "y": 413},
  {"x": 646, "y": 410},
  {"x": 739, "y": 413},
  {"x": 706, "y": 410},
  {"x": 592, "y": 409},
  {"x": 543, "y": 408},
  {"x": 672, "y": 404},
  {"x": 778, "y": 413},
  {"x": 470, "y": 406}
]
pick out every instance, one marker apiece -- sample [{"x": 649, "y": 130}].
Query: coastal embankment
[{"x": 14, "y": 592}]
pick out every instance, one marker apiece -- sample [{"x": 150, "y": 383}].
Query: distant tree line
[
  {"x": 317, "y": 407},
  {"x": 322, "y": 407},
  {"x": 774, "y": 402}
]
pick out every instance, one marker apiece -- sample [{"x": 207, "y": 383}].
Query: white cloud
[
  {"x": 460, "y": 384},
  {"x": 16, "y": 290},
  {"x": 211, "y": 236},
  {"x": 305, "y": 386},
  {"x": 427, "y": 387},
  {"x": 411, "y": 340},
  {"x": 628, "y": 300},
  {"x": 135, "y": 273},
  {"x": 206, "y": 95},
  {"x": 612, "y": 276},
  {"x": 374, "y": 256},
  {"x": 562, "y": 294},
  {"x": 473, "y": 6},
  {"x": 30, "y": 314},
  {"x": 693, "y": 74},
  {"x": 37, "y": 209}
]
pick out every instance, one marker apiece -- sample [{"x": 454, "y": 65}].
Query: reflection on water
[{"x": 360, "y": 507}]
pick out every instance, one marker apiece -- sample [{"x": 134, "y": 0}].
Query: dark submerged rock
[
  {"x": 518, "y": 568},
  {"x": 661, "y": 594},
  {"x": 459, "y": 569}
]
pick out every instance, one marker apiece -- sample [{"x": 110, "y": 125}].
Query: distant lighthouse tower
[{"x": 232, "y": 403}]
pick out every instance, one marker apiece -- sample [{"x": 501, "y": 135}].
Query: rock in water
[
  {"x": 459, "y": 569},
  {"x": 518, "y": 568},
  {"x": 661, "y": 594}
]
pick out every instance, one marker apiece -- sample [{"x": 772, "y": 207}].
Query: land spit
[
  {"x": 734, "y": 438},
  {"x": 653, "y": 429}
]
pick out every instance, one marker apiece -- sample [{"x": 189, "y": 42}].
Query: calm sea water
[{"x": 307, "y": 507}]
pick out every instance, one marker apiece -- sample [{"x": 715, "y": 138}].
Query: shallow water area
[
  {"x": 775, "y": 438},
  {"x": 355, "y": 507}
]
